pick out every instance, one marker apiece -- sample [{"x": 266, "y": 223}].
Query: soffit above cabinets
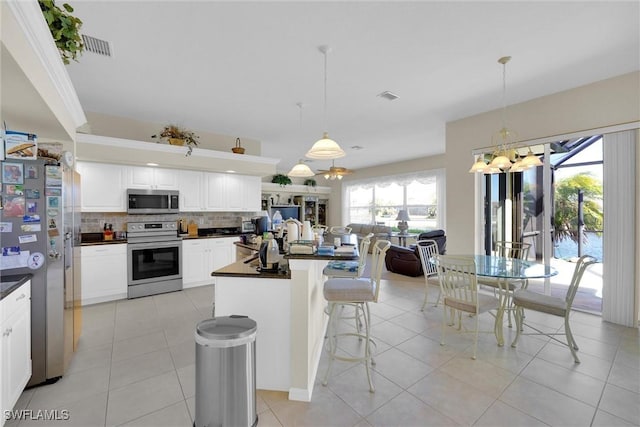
[
  {"x": 37, "y": 94},
  {"x": 104, "y": 149}
]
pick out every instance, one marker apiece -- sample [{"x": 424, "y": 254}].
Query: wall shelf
[{"x": 271, "y": 187}]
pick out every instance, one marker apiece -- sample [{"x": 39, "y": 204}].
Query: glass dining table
[{"x": 506, "y": 270}]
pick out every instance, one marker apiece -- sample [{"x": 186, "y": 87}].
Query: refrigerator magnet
[
  {"x": 31, "y": 193},
  {"x": 12, "y": 173},
  {"x": 30, "y": 227},
  {"x": 27, "y": 238},
  {"x": 31, "y": 218},
  {"x": 36, "y": 260}
]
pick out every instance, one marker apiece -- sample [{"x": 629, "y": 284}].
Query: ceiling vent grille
[
  {"x": 100, "y": 47},
  {"x": 388, "y": 95}
]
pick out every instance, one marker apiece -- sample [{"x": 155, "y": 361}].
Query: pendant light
[
  {"x": 505, "y": 156},
  {"x": 325, "y": 148},
  {"x": 300, "y": 170}
]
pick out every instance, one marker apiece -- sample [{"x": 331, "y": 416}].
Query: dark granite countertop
[
  {"x": 12, "y": 282},
  {"x": 249, "y": 269}
]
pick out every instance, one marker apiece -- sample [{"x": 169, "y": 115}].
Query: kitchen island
[{"x": 289, "y": 310}]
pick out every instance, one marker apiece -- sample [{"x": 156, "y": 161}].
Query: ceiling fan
[{"x": 334, "y": 172}]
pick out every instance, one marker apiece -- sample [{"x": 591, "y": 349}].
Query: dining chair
[
  {"x": 428, "y": 250},
  {"x": 459, "y": 287},
  {"x": 507, "y": 249},
  {"x": 360, "y": 291},
  {"x": 524, "y": 298}
]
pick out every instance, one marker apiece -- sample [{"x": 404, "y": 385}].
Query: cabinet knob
[{"x": 7, "y": 332}]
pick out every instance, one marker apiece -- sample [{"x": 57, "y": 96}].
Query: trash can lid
[{"x": 226, "y": 327}]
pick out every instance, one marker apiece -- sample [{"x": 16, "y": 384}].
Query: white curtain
[{"x": 620, "y": 283}]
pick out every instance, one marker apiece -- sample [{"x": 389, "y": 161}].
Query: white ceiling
[{"x": 239, "y": 68}]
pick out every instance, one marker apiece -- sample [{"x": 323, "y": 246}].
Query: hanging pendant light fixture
[
  {"x": 505, "y": 156},
  {"x": 325, "y": 148},
  {"x": 300, "y": 170}
]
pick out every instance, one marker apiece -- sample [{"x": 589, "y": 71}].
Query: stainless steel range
[{"x": 154, "y": 259}]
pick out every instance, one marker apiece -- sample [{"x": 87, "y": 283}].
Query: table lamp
[{"x": 403, "y": 217}]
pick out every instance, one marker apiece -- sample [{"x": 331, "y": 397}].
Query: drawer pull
[
  {"x": 20, "y": 297},
  {"x": 7, "y": 332}
]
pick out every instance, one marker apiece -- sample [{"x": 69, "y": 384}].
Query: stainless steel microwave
[{"x": 152, "y": 201}]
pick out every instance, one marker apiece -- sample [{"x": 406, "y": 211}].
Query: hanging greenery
[{"x": 65, "y": 29}]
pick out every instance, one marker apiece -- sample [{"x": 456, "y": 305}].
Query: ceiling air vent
[
  {"x": 388, "y": 95},
  {"x": 92, "y": 44}
]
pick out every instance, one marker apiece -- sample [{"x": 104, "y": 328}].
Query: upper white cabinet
[
  {"x": 152, "y": 178},
  {"x": 102, "y": 187},
  {"x": 191, "y": 187},
  {"x": 238, "y": 193}
]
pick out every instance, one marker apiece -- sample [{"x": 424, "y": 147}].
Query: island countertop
[{"x": 242, "y": 268}]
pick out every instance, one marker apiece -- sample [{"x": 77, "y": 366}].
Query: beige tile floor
[{"x": 136, "y": 366}]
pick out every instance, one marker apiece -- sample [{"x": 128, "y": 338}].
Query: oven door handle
[{"x": 153, "y": 245}]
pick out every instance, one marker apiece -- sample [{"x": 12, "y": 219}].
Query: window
[{"x": 377, "y": 201}]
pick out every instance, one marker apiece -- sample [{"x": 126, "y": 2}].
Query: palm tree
[{"x": 565, "y": 220}]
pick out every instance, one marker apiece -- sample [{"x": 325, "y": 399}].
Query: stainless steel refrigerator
[{"x": 41, "y": 231}]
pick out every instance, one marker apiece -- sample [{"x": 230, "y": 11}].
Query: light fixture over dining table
[
  {"x": 325, "y": 148},
  {"x": 505, "y": 156}
]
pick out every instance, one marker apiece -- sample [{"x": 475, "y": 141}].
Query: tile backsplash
[{"x": 93, "y": 222}]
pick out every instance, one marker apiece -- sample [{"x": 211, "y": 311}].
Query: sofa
[
  {"x": 406, "y": 261},
  {"x": 380, "y": 232}
]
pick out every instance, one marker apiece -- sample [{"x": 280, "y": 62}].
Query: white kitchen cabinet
[
  {"x": 152, "y": 178},
  {"x": 215, "y": 191},
  {"x": 224, "y": 252},
  {"x": 191, "y": 187},
  {"x": 103, "y": 187},
  {"x": 15, "y": 346},
  {"x": 230, "y": 192},
  {"x": 202, "y": 256},
  {"x": 104, "y": 273}
]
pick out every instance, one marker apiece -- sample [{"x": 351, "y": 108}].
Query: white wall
[
  {"x": 601, "y": 104},
  {"x": 122, "y": 127}
]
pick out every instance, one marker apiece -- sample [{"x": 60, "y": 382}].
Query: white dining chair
[
  {"x": 524, "y": 298},
  {"x": 459, "y": 287},
  {"x": 428, "y": 250}
]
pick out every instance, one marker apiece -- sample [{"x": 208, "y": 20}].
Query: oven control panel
[{"x": 151, "y": 227}]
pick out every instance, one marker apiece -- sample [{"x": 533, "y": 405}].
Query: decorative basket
[{"x": 238, "y": 149}]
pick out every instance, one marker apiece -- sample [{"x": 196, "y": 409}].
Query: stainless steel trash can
[{"x": 226, "y": 372}]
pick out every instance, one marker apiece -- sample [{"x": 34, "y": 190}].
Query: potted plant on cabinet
[
  {"x": 281, "y": 179},
  {"x": 176, "y": 135}
]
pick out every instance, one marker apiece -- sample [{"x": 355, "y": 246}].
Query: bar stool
[
  {"x": 350, "y": 270},
  {"x": 359, "y": 292}
]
